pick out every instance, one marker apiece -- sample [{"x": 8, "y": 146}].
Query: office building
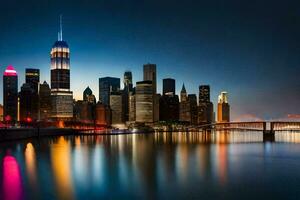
[
  {"x": 128, "y": 87},
  {"x": 45, "y": 101},
  {"x": 106, "y": 86},
  {"x": 223, "y": 108},
  {"x": 168, "y": 86},
  {"x": 184, "y": 106},
  {"x": 84, "y": 112},
  {"x": 150, "y": 75},
  {"x": 192, "y": 99},
  {"x": 32, "y": 79},
  {"x": 102, "y": 115},
  {"x": 132, "y": 107},
  {"x": 169, "y": 108},
  {"x": 89, "y": 96},
  {"x": 116, "y": 108},
  {"x": 144, "y": 102},
  {"x": 205, "y": 107},
  {"x": 149, "y": 71},
  {"x": 27, "y": 96},
  {"x": 10, "y": 94},
  {"x": 61, "y": 95}
]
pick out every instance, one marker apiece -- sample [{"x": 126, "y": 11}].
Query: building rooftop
[{"x": 10, "y": 71}]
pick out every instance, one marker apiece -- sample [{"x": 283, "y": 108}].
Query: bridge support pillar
[{"x": 269, "y": 135}]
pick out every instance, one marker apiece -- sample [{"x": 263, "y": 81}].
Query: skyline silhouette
[{"x": 250, "y": 51}]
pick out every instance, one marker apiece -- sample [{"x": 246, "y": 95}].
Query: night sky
[{"x": 251, "y": 49}]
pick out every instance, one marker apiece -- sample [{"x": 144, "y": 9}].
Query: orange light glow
[{"x": 61, "y": 164}]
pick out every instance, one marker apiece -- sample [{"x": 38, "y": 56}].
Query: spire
[
  {"x": 60, "y": 24},
  {"x": 183, "y": 89}
]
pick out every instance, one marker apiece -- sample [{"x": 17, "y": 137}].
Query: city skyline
[{"x": 258, "y": 93}]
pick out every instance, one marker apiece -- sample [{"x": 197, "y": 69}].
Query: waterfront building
[
  {"x": 89, "y": 96},
  {"x": 168, "y": 86},
  {"x": 61, "y": 95},
  {"x": 184, "y": 106},
  {"x": 205, "y": 107},
  {"x": 27, "y": 96},
  {"x": 169, "y": 107},
  {"x": 32, "y": 77},
  {"x": 192, "y": 99},
  {"x": 102, "y": 115},
  {"x": 128, "y": 87},
  {"x": 106, "y": 86},
  {"x": 84, "y": 111},
  {"x": 150, "y": 75},
  {"x": 223, "y": 114},
  {"x": 45, "y": 101},
  {"x": 144, "y": 102},
  {"x": 156, "y": 106},
  {"x": 10, "y": 94},
  {"x": 116, "y": 108},
  {"x": 132, "y": 108}
]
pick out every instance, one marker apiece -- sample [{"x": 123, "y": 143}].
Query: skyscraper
[
  {"x": 10, "y": 94},
  {"x": 106, "y": 86},
  {"x": 61, "y": 95},
  {"x": 169, "y": 107},
  {"x": 184, "y": 106},
  {"x": 27, "y": 96},
  {"x": 32, "y": 77},
  {"x": 205, "y": 108},
  {"x": 192, "y": 98},
  {"x": 132, "y": 106},
  {"x": 128, "y": 87},
  {"x": 223, "y": 108},
  {"x": 168, "y": 86},
  {"x": 128, "y": 80},
  {"x": 169, "y": 102},
  {"x": 144, "y": 102},
  {"x": 204, "y": 94},
  {"x": 116, "y": 108},
  {"x": 150, "y": 75},
  {"x": 45, "y": 101}
]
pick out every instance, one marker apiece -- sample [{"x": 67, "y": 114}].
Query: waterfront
[{"x": 233, "y": 165}]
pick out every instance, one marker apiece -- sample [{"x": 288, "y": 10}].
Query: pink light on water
[{"x": 12, "y": 184}]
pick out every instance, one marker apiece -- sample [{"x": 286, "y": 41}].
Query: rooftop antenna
[{"x": 60, "y": 20}]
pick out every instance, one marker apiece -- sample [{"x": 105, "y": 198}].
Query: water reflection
[
  {"x": 30, "y": 160},
  {"x": 61, "y": 166},
  {"x": 160, "y": 165},
  {"x": 12, "y": 182}
]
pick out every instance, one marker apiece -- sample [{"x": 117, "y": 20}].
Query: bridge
[{"x": 268, "y": 128}]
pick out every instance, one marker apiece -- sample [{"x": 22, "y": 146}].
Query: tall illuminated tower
[
  {"x": 223, "y": 108},
  {"x": 61, "y": 96},
  {"x": 10, "y": 94}
]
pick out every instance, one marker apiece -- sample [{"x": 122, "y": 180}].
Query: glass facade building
[
  {"x": 61, "y": 96},
  {"x": 144, "y": 102}
]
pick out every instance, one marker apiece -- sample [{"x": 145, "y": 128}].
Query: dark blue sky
[{"x": 248, "y": 48}]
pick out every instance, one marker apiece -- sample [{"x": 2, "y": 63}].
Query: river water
[{"x": 219, "y": 165}]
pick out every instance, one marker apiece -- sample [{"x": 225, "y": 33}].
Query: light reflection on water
[{"x": 160, "y": 165}]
